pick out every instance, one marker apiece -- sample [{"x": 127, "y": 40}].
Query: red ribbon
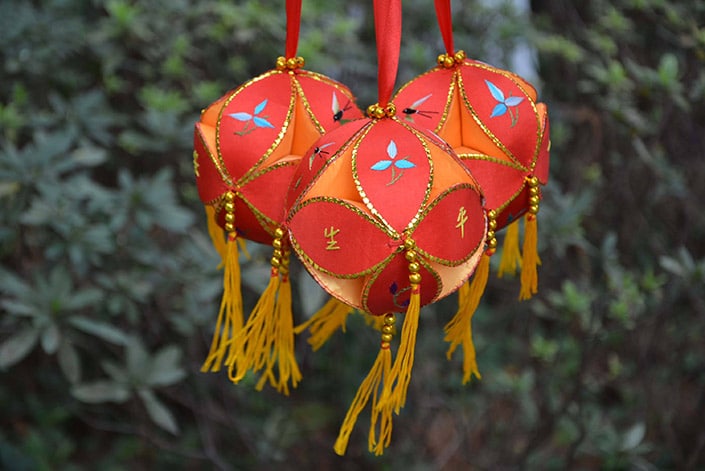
[
  {"x": 293, "y": 22},
  {"x": 445, "y": 23},
  {"x": 388, "y": 36}
]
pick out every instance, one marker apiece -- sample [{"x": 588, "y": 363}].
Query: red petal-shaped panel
[
  {"x": 393, "y": 172},
  {"x": 499, "y": 181},
  {"x": 331, "y": 102},
  {"x": 389, "y": 289},
  {"x": 503, "y": 109},
  {"x": 251, "y": 122},
  {"x": 319, "y": 155},
  {"x": 423, "y": 100},
  {"x": 267, "y": 191},
  {"x": 337, "y": 237},
  {"x": 453, "y": 227},
  {"x": 542, "y": 160}
]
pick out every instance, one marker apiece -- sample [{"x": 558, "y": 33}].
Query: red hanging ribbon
[
  {"x": 387, "y": 15},
  {"x": 445, "y": 23},
  {"x": 293, "y": 22}
]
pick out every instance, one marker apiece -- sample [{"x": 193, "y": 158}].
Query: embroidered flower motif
[
  {"x": 504, "y": 105},
  {"x": 396, "y": 292},
  {"x": 400, "y": 164},
  {"x": 254, "y": 118}
]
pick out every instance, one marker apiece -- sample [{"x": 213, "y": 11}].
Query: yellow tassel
[
  {"x": 459, "y": 328},
  {"x": 258, "y": 334},
  {"x": 511, "y": 255},
  {"x": 283, "y": 347},
  {"x": 530, "y": 258},
  {"x": 394, "y": 393},
  {"x": 370, "y": 387},
  {"x": 230, "y": 316},
  {"x": 268, "y": 336},
  {"x": 325, "y": 322},
  {"x": 215, "y": 232}
]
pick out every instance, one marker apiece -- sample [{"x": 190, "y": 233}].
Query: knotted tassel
[
  {"x": 325, "y": 322},
  {"x": 230, "y": 316},
  {"x": 510, "y": 261},
  {"x": 530, "y": 257},
  {"x": 459, "y": 328},
  {"x": 370, "y": 387},
  {"x": 283, "y": 347},
  {"x": 259, "y": 336},
  {"x": 394, "y": 394}
]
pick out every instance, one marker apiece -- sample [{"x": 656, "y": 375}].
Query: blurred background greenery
[{"x": 109, "y": 287}]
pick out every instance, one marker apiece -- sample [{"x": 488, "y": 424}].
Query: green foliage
[{"x": 109, "y": 286}]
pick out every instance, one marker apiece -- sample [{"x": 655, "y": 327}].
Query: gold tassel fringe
[
  {"x": 267, "y": 338},
  {"x": 510, "y": 261},
  {"x": 325, "y": 322},
  {"x": 459, "y": 328},
  {"x": 230, "y": 316},
  {"x": 530, "y": 257},
  {"x": 394, "y": 393},
  {"x": 370, "y": 387}
]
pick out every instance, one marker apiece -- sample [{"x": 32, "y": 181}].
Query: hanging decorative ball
[
  {"x": 386, "y": 219},
  {"x": 248, "y": 145}
]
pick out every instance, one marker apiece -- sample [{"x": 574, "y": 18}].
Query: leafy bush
[{"x": 109, "y": 285}]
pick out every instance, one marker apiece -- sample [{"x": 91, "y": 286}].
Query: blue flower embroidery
[
  {"x": 258, "y": 121},
  {"x": 400, "y": 164},
  {"x": 504, "y": 105},
  {"x": 396, "y": 292}
]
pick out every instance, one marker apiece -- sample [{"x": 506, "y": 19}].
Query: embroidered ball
[{"x": 377, "y": 207}]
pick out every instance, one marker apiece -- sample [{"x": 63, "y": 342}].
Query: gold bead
[
  {"x": 389, "y": 319},
  {"x": 386, "y": 338},
  {"x": 459, "y": 56},
  {"x": 533, "y": 181},
  {"x": 414, "y": 267},
  {"x": 534, "y": 209},
  {"x": 409, "y": 244},
  {"x": 410, "y": 255},
  {"x": 229, "y": 207},
  {"x": 492, "y": 243},
  {"x": 492, "y": 224},
  {"x": 490, "y": 235},
  {"x": 229, "y": 217},
  {"x": 275, "y": 262},
  {"x": 440, "y": 59},
  {"x": 533, "y": 191},
  {"x": 277, "y": 253},
  {"x": 387, "y": 329},
  {"x": 281, "y": 63},
  {"x": 415, "y": 278},
  {"x": 229, "y": 227},
  {"x": 229, "y": 197},
  {"x": 371, "y": 111},
  {"x": 379, "y": 112},
  {"x": 534, "y": 200},
  {"x": 390, "y": 110},
  {"x": 448, "y": 62},
  {"x": 300, "y": 62},
  {"x": 291, "y": 63},
  {"x": 492, "y": 214},
  {"x": 278, "y": 233},
  {"x": 277, "y": 243}
]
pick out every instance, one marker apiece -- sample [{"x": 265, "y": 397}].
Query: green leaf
[
  {"x": 137, "y": 360},
  {"x": 17, "y": 347},
  {"x": 165, "y": 367},
  {"x": 634, "y": 436},
  {"x": 99, "y": 329},
  {"x": 51, "y": 338},
  {"x": 158, "y": 412},
  {"x": 100, "y": 391},
  {"x": 69, "y": 362}
]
